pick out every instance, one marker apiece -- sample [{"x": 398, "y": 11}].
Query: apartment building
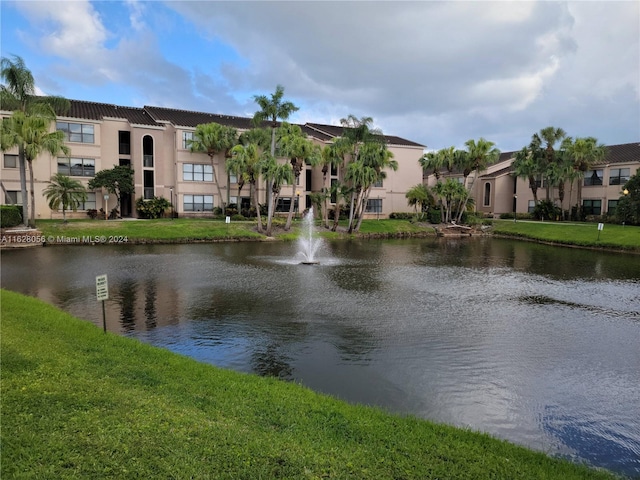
[
  {"x": 153, "y": 141},
  {"x": 496, "y": 190}
]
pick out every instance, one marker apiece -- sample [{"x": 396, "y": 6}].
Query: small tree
[
  {"x": 420, "y": 196},
  {"x": 116, "y": 180},
  {"x": 628, "y": 208},
  {"x": 66, "y": 192}
]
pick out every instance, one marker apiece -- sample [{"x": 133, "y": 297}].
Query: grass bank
[
  {"x": 611, "y": 237},
  {"x": 195, "y": 230},
  {"x": 78, "y": 403}
]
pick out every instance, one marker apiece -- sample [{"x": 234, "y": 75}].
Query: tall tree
[
  {"x": 450, "y": 192},
  {"x": 478, "y": 157},
  {"x": 66, "y": 192},
  {"x": 524, "y": 166},
  {"x": 377, "y": 157},
  {"x": 30, "y": 133},
  {"x": 247, "y": 161},
  {"x": 583, "y": 153},
  {"x": 544, "y": 152},
  {"x": 294, "y": 144},
  {"x": 213, "y": 138},
  {"x": 272, "y": 109},
  {"x": 359, "y": 137},
  {"x": 280, "y": 174},
  {"x": 117, "y": 181},
  {"x": 18, "y": 94}
]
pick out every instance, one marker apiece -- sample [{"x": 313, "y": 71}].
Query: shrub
[
  {"x": 401, "y": 216},
  {"x": 435, "y": 216},
  {"x": 153, "y": 208},
  {"x": 92, "y": 213},
  {"x": 10, "y": 216},
  {"x": 546, "y": 210},
  {"x": 238, "y": 218}
]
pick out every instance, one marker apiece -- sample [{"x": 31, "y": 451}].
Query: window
[
  {"x": 124, "y": 142},
  {"x": 378, "y": 184},
  {"x": 334, "y": 170},
  {"x": 593, "y": 177},
  {"x": 531, "y": 206},
  {"x": 10, "y": 161},
  {"x": 77, "y": 167},
  {"x": 147, "y": 151},
  {"x": 374, "y": 205},
  {"x": 197, "y": 172},
  {"x": 618, "y": 176},
  {"x": 487, "y": 194},
  {"x": 592, "y": 207},
  {"x": 76, "y": 132},
  {"x": 198, "y": 203},
  {"x": 611, "y": 207},
  {"x": 233, "y": 178},
  {"x": 334, "y": 186},
  {"x": 13, "y": 197},
  {"x": 148, "y": 190},
  {"x": 187, "y": 137}
]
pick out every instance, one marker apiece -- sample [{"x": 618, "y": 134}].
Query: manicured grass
[
  {"x": 78, "y": 403},
  {"x": 186, "y": 230},
  {"x": 612, "y": 236},
  {"x": 180, "y": 229}
]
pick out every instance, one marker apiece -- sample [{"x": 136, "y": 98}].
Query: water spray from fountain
[{"x": 308, "y": 243}]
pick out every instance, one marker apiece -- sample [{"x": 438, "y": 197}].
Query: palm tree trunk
[
  {"x": 215, "y": 179},
  {"x": 23, "y": 186},
  {"x": 293, "y": 197},
  {"x": 363, "y": 208},
  {"x": 256, "y": 205},
  {"x": 32, "y": 197}
]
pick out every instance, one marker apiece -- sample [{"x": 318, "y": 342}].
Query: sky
[{"x": 436, "y": 73}]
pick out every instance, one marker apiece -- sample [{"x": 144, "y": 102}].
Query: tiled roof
[
  {"x": 97, "y": 111},
  {"x": 336, "y": 131},
  {"x": 185, "y": 118},
  {"x": 623, "y": 153}
]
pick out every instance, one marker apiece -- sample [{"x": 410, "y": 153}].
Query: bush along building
[{"x": 156, "y": 143}]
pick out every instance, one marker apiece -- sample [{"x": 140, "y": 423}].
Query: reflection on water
[{"x": 534, "y": 344}]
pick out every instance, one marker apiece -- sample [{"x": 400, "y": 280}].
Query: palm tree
[
  {"x": 271, "y": 110},
  {"x": 333, "y": 155},
  {"x": 478, "y": 157},
  {"x": 546, "y": 155},
  {"x": 449, "y": 192},
  {"x": 30, "y": 133},
  {"x": 247, "y": 161},
  {"x": 18, "y": 94},
  {"x": 66, "y": 192},
  {"x": 213, "y": 138},
  {"x": 524, "y": 166},
  {"x": 583, "y": 153},
  {"x": 420, "y": 196},
  {"x": 295, "y": 145},
  {"x": 279, "y": 173},
  {"x": 380, "y": 159}
]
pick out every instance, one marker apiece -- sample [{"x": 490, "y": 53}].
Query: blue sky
[{"x": 438, "y": 73}]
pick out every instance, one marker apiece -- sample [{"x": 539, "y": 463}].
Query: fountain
[{"x": 308, "y": 243}]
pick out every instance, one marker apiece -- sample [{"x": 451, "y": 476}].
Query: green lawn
[
  {"x": 79, "y": 403},
  {"x": 612, "y": 236}
]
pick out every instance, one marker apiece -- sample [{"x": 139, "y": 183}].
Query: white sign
[
  {"x": 102, "y": 287},
  {"x": 227, "y": 220},
  {"x": 600, "y": 226}
]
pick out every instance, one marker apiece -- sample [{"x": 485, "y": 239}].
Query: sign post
[
  {"x": 102, "y": 292},
  {"x": 600, "y": 227}
]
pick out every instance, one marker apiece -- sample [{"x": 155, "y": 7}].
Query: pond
[{"x": 534, "y": 344}]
